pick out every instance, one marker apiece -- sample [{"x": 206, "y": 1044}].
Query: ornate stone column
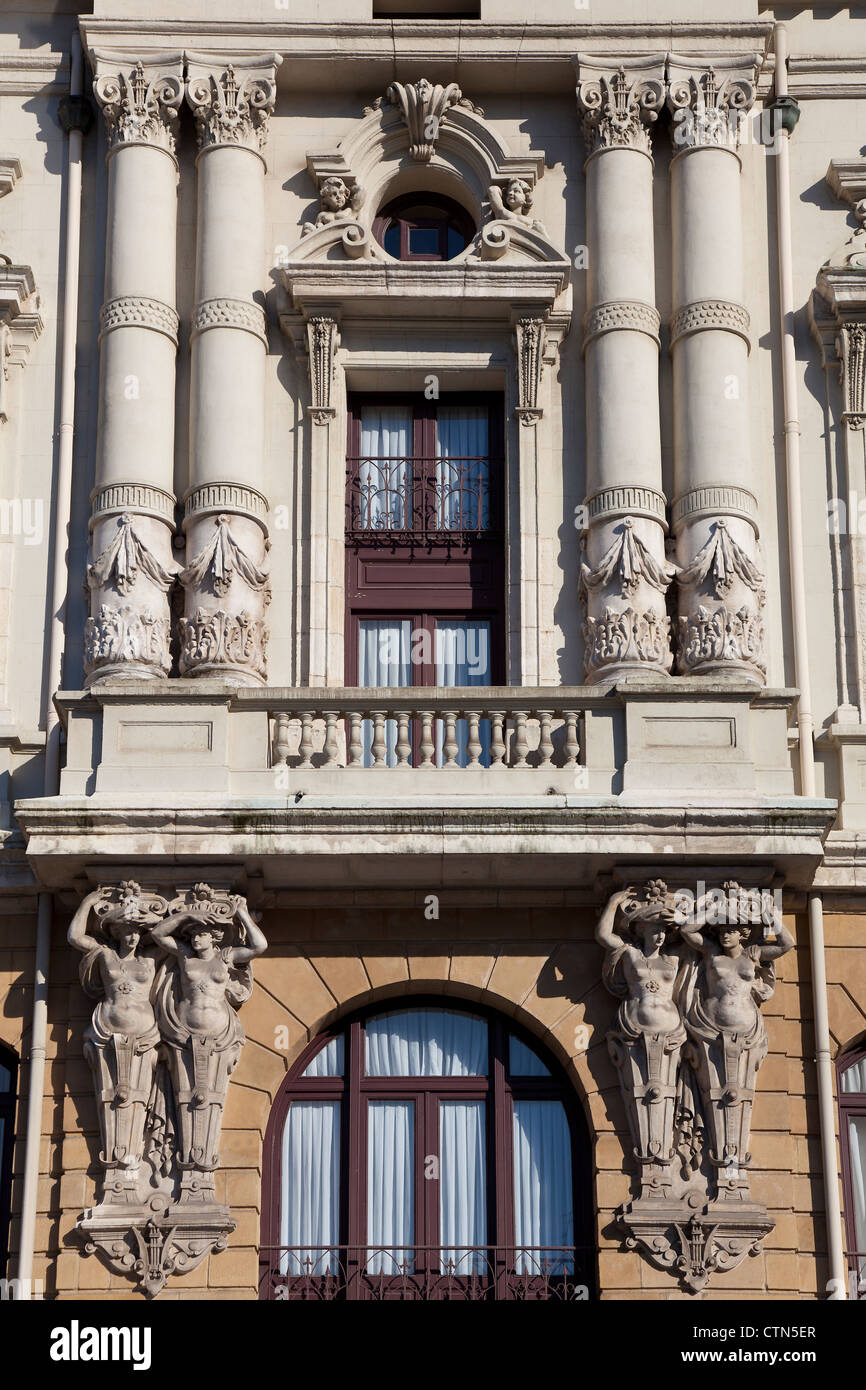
[
  {"x": 715, "y": 512},
  {"x": 132, "y": 517},
  {"x": 223, "y": 631},
  {"x": 625, "y": 576}
]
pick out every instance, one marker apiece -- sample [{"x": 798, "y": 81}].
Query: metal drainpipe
[
  {"x": 76, "y": 118},
  {"x": 805, "y": 718}
]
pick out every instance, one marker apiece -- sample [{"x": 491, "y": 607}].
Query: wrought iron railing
[
  {"x": 426, "y": 1273},
  {"x": 420, "y": 727},
  {"x": 434, "y": 498},
  {"x": 857, "y": 1275}
]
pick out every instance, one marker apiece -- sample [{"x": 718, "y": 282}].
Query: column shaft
[
  {"x": 625, "y": 574},
  {"x": 132, "y": 520},
  {"x": 223, "y": 631},
  {"x": 715, "y": 512}
]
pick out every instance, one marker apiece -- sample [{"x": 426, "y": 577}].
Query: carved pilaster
[
  {"x": 619, "y": 104},
  {"x": 323, "y": 339},
  {"x": 530, "y": 340},
  {"x": 140, "y": 98},
  {"x": 708, "y": 99},
  {"x": 232, "y": 102},
  {"x": 160, "y": 1073}
]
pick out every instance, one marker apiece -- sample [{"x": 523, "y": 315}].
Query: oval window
[{"x": 423, "y": 227}]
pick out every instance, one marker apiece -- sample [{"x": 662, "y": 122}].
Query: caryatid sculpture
[
  {"x": 728, "y": 1039},
  {"x": 646, "y": 969},
  {"x": 213, "y": 940},
  {"x": 122, "y": 1038}
]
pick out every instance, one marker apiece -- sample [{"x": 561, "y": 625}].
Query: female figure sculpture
[
  {"x": 196, "y": 1004},
  {"x": 121, "y": 1040},
  {"x": 728, "y": 1037},
  {"x": 647, "y": 971}
]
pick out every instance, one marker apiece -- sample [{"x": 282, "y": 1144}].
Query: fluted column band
[
  {"x": 619, "y": 314},
  {"x": 225, "y": 497},
  {"x": 721, "y": 500},
  {"x": 710, "y": 314},
  {"x": 630, "y": 500}
]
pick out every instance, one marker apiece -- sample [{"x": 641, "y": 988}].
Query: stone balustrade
[{"x": 472, "y": 729}]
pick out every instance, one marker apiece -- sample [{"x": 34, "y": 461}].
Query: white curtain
[
  {"x": 390, "y": 1186},
  {"x": 462, "y": 1186},
  {"x": 854, "y": 1077},
  {"x": 328, "y": 1061},
  {"x": 462, "y": 468},
  {"x": 543, "y": 1214},
  {"x": 384, "y": 658},
  {"x": 857, "y": 1149},
  {"x": 522, "y": 1061},
  {"x": 463, "y": 658},
  {"x": 426, "y": 1042},
  {"x": 385, "y": 487},
  {"x": 310, "y": 1207}
]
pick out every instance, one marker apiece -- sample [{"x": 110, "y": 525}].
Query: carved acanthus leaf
[
  {"x": 722, "y": 561},
  {"x": 232, "y": 104},
  {"x": 220, "y": 559},
  {"x": 424, "y": 106},
  {"x": 625, "y": 563},
  {"x": 121, "y": 563},
  {"x": 708, "y": 101}
]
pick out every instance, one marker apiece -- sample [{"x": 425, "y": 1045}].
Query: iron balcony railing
[
  {"x": 424, "y": 727},
  {"x": 426, "y": 1273},
  {"x": 405, "y": 499}
]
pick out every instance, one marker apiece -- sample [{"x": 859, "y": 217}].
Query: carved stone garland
[
  {"x": 687, "y": 1042},
  {"x": 169, "y": 977}
]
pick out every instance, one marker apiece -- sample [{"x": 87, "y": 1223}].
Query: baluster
[
  {"x": 428, "y": 746},
  {"x": 545, "y": 742},
  {"x": 404, "y": 743},
  {"x": 306, "y": 748},
  {"x": 332, "y": 747},
  {"x": 281, "y": 738},
  {"x": 380, "y": 746},
  {"x": 473, "y": 742},
  {"x": 521, "y": 745},
  {"x": 572, "y": 743},
  {"x": 449, "y": 748},
  {"x": 356, "y": 743},
  {"x": 497, "y": 739}
]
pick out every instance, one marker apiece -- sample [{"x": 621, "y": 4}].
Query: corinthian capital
[
  {"x": 232, "y": 101},
  {"x": 140, "y": 97},
  {"x": 619, "y": 101},
  {"x": 709, "y": 97}
]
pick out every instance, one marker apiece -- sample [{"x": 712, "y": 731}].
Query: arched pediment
[{"x": 423, "y": 137}]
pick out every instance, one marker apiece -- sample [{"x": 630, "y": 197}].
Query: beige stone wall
[{"x": 530, "y": 955}]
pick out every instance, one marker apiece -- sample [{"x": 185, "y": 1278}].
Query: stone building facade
[{"x": 513, "y": 354}]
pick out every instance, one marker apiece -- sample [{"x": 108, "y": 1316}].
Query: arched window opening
[
  {"x": 851, "y": 1090},
  {"x": 8, "y": 1095},
  {"x": 423, "y": 227},
  {"x": 426, "y": 1152}
]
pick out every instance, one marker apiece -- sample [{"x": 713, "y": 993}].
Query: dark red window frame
[
  {"x": 497, "y": 1089},
  {"x": 851, "y": 1103},
  {"x": 427, "y": 572},
  {"x": 8, "y": 1100}
]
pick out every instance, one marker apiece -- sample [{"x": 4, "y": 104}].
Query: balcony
[
  {"x": 426, "y": 1274},
  {"x": 425, "y": 786}
]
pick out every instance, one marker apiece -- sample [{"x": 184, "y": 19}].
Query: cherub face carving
[{"x": 334, "y": 195}]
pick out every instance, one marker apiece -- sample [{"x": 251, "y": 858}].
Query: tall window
[
  {"x": 8, "y": 1083},
  {"x": 424, "y": 547},
  {"x": 851, "y": 1087},
  {"x": 430, "y": 1153}
]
